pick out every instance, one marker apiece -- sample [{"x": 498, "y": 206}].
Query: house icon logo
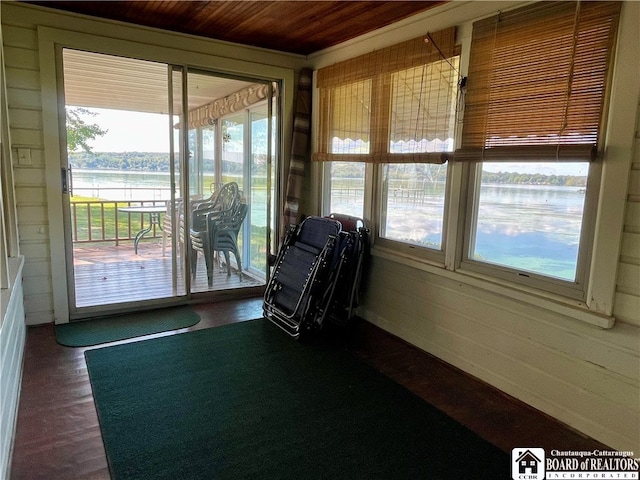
[{"x": 527, "y": 464}]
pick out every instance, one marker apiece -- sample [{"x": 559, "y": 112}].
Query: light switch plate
[{"x": 24, "y": 156}]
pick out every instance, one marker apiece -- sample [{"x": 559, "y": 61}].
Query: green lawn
[{"x": 101, "y": 214}]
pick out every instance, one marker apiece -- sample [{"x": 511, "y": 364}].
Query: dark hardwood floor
[{"x": 58, "y": 435}]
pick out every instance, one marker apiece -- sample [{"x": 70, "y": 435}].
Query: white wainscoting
[
  {"x": 582, "y": 375},
  {"x": 12, "y": 340}
]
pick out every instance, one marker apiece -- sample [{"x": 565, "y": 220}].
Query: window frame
[
  {"x": 607, "y": 212},
  {"x": 379, "y": 142},
  {"x": 578, "y": 289},
  {"x": 432, "y": 255},
  {"x": 326, "y": 197},
  {"x": 574, "y": 290}
]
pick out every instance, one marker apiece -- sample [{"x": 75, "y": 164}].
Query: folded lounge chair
[{"x": 317, "y": 263}]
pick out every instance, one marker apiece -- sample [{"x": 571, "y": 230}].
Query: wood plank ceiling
[{"x": 301, "y": 27}]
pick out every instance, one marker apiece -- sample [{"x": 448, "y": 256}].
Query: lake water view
[
  {"x": 120, "y": 185},
  {"x": 544, "y": 239},
  {"x": 545, "y": 236},
  {"x": 535, "y": 228},
  {"x": 147, "y": 186}
]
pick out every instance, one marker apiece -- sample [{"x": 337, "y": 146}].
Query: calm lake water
[
  {"x": 544, "y": 239},
  {"x": 146, "y": 186},
  {"x": 546, "y": 235},
  {"x": 116, "y": 185}
]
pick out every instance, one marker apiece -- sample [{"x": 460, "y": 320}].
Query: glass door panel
[
  {"x": 257, "y": 247},
  {"x": 233, "y": 149},
  {"x": 121, "y": 177},
  {"x": 227, "y": 144}
]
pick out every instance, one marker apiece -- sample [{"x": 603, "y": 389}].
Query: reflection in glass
[
  {"x": 347, "y": 188},
  {"x": 413, "y": 196},
  {"x": 529, "y": 217}
]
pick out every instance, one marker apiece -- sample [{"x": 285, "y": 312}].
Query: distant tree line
[
  {"x": 138, "y": 161},
  {"x": 534, "y": 179},
  {"x": 159, "y": 162},
  {"x": 437, "y": 173}
]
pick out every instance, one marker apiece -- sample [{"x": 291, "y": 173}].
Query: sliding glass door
[{"x": 149, "y": 147}]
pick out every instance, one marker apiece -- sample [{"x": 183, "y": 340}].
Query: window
[
  {"x": 531, "y": 222},
  {"x": 395, "y": 108},
  {"x": 349, "y": 107},
  {"x": 413, "y": 197},
  {"x": 532, "y": 132},
  {"x": 346, "y": 182},
  {"x": 233, "y": 150},
  {"x": 350, "y": 120},
  {"x": 413, "y": 194},
  {"x": 517, "y": 203}
]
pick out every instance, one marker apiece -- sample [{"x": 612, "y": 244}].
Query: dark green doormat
[
  {"x": 120, "y": 327},
  {"x": 246, "y": 401}
]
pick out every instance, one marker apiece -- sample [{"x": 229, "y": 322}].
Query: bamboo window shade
[
  {"x": 394, "y": 105},
  {"x": 537, "y": 82}
]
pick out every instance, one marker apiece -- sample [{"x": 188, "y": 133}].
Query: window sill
[{"x": 574, "y": 309}]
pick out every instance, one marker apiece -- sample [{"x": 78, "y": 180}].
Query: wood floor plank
[{"x": 58, "y": 435}]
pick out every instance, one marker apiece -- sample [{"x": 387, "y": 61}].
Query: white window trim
[
  {"x": 431, "y": 255},
  {"x": 577, "y": 289},
  {"x": 570, "y": 308},
  {"x": 597, "y": 308}
]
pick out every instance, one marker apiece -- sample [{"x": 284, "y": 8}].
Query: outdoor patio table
[{"x": 154, "y": 212}]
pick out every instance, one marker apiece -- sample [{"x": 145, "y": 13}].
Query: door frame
[{"x": 161, "y": 47}]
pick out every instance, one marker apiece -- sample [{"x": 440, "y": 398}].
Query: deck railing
[
  {"x": 101, "y": 221},
  {"x": 94, "y": 221}
]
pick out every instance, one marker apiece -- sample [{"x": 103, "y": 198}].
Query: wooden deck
[{"x": 108, "y": 274}]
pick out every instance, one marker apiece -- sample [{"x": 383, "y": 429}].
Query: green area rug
[
  {"x": 120, "y": 327},
  {"x": 246, "y": 401}
]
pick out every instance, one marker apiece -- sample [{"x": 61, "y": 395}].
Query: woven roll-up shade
[
  {"x": 206, "y": 115},
  {"x": 537, "y": 82},
  {"x": 394, "y": 105}
]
